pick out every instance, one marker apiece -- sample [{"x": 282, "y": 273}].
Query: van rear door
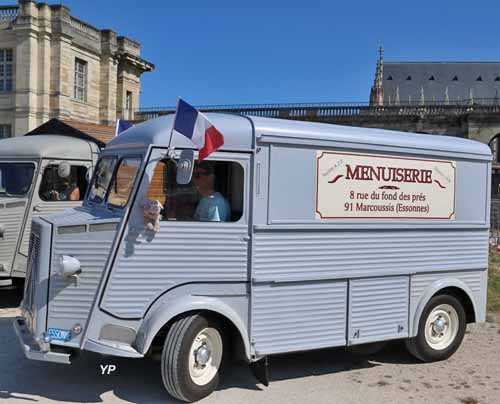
[{"x": 16, "y": 179}]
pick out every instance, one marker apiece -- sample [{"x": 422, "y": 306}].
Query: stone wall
[{"x": 46, "y": 40}]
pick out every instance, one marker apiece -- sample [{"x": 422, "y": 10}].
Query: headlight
[{"x": 69, "y": 266}]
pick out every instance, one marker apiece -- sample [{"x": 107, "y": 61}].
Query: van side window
[
  {"x": 123, "y": 181},
  {"x": 215, "y": 193},
  {"x": 15, "y": 179},
  {"x": 55, "y": 188}
]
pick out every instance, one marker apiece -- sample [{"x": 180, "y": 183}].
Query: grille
[{"x": 31, "y": 276}]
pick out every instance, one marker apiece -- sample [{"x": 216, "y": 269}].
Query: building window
[
  {"x": 128, "y": 105},
  {"x": 455, "y": 78},
  {"x": 5, "y": 131},
  {"x": 80, "y": 88},
  {"x": 408, "y": 78},
  {"x": 6, "y": 69},
  {"x": 479, "y": 78}
]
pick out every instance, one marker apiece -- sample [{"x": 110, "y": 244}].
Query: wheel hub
[
  {"x": 202, "y": 355},
  {"x": 439, "y": 325},
  {"x": 205, "y": 356}
]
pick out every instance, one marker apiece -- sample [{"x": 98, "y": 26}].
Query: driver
[
  {"x": 212, "y": 207},
  {"x": 69, "y": 191}
]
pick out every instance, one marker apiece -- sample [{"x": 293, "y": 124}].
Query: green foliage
[{"x": 494, "y": 283}]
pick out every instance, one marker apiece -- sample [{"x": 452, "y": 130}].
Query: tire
[
  {"x": 191, "y": 357},
  {"x": 441, "y": 329}
]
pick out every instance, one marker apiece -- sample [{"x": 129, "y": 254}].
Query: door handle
[{"x": 37, "y": 208}]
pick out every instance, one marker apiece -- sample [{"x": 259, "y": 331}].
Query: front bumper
[{"x": 32, "y": 350}]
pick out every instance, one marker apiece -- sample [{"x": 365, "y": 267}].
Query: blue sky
[{"x": 276, "y": 51}]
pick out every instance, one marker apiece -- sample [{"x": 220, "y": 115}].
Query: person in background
[
  {"x": 212, "y": 207},
  {"x": 69, "y": 191}
]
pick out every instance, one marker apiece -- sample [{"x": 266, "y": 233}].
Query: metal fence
[{"x": 495, "y": 218}]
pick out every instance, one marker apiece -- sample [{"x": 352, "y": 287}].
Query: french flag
[
  {"x": 194, "y": 125},
  {"x": 121, "y": 125}
]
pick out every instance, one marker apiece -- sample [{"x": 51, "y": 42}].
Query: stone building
[
  {"x": 54, "y": 65},
  {"x": 444, "y": 83}
]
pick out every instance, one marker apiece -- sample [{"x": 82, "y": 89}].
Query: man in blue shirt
[{"x": 212, "y": 207}]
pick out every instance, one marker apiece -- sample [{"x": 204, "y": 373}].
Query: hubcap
[
  {"x": 202, "y": 355},
  {"x": 205, "y": 356},
  {"x": 441, "y": 327}
]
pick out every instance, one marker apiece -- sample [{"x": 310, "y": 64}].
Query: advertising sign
[{"x": 363, "y": 186}]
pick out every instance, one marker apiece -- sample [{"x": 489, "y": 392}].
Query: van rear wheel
[
  {"x": 191, "y": 358},
  {"x": 441, "y": 329}
]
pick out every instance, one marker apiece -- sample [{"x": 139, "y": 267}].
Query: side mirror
[
  {"x": 185, "y": 167},
  {"x": 64, "y": 169}
]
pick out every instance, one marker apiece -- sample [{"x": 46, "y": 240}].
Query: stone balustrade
[
  {"x": 8, "y": 13},
  {"x": 326, "y": 111},
  {"x": 85, "y": 29}
]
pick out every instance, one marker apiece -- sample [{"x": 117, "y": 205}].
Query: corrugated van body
[{"x": 381, "y": 268}]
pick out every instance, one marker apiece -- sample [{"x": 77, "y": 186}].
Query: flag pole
[{"x": 173, "y": 125}]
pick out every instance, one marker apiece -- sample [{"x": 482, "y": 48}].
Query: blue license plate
[{"x": 59, "y": 335}]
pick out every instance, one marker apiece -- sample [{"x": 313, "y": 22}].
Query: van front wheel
[
  {"x": 441, "y": 329},
  {"x": 191, "y": 358}
]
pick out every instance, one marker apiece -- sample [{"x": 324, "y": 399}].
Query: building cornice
[{"x": 136, "y": 61}]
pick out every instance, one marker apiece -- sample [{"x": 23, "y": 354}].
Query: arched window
[
  {"x": 408, "y": 78},
  {"x": 431, "y": 78},
  {"x": 455, "y": 78},
  {"x": 479, "y": 78}
]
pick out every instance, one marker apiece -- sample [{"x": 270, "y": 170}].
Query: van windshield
[
  {"x": 15, "y": 179},
  {"x": 102, "y": 179}
]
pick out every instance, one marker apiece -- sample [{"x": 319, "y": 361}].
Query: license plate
[{"x": 59, "y": 335}]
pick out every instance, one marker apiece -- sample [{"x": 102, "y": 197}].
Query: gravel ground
[{"x": 471, "y": 376}]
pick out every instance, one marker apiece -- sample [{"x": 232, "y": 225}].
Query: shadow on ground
[{"x": 139, "y": 381}]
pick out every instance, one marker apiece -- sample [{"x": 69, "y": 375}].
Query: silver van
[
  {"x": 39, "y": 175},
  {"x": 293, "y": 236}
]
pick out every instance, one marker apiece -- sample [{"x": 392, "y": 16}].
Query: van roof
[
  {"x": 240, "y": 132},
  {"x": 46, "y": 146}
]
